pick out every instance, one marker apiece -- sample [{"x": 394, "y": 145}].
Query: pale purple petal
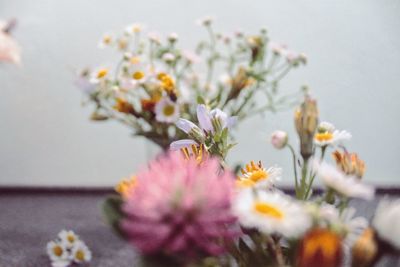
[
  {"x": 185, "y": 125},
  {"x": 176, "y": 145},
  {"x": 204, "y": 118},
  {"x": 231, "y": 121}
]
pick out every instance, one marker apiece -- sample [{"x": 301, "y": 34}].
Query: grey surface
[{"x": 29, "y": 221}]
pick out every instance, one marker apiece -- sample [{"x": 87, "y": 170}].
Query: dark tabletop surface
[{"x": 29, "y": 220}]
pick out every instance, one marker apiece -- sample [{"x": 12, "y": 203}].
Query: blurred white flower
[
  {"x": 9, "y": 49},
  {"x": 348, "y": 186},
  {"x": 69, "y": 238},
  {"x": 167, "y": 111},
  {"x": 106, "y": 41},
  {"x": 271, "y": 212},
  {"x": 173, "y": 37},
  {"x": 81, "y": 253},
  {"x": 191, "y": 57},
  {"x": 205, "y": 21},
  {"x": 255, "y": 175},
  {"x": 168, "y": 57},
  {"x": 154, "y": 37},
  {"x": 57, "y": 251},
  {"x": 386, "y": 221},
  {"x": 279, "y": 139},
  {"x": 134, "y": 28},
  {"x": 277, "y": 48}
]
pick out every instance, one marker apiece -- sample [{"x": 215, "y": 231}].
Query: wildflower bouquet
[
  {"x": 155, "y": 81},
  {"x": 189, "y": 209}
]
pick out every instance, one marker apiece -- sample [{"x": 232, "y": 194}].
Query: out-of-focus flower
[
  {"x": 256, "y": 175},
  {"x": 191, "y": 57},
  {"x": 121, "y": 105},
  {"x": 349, "y": 163},
  {"x": 215, "y": 120},
  {"x": 168, "y": 57},
  {"x": 352, "y": 226},
  {"x": 320, "y": 247},
  {"x": 106, "y": 41},
  {"x": 199, "y": 153},
  {"x": 279, "y": 139},
  {"x": 191, "y": 129},
  {"x": 256, "y": 44},
  {"x": 149, "y": 104},
  {"x": 348, "y": 186},
  {"x": 205, "y": 21},
  {"x": 69, "y": 238},
  {"x": 386, "y": 222},
  {"x": 177, "y": 145},
  {"x": 271, "y": 212},
  {"x": 364, "y": 249},
  {"x": 9, "y": 49},
  {"x": 125, "y": 187},
  {"x": 81, "y": 253},
  {"x": 167, "y": 111},
  {"x": 277, "y": 48},
  {"x": 57, "y": 251},
  {"x": 172, "y": 37},
  {"x": 306, "y": 121},
  {"x": 327, "y": 135},
  {"x": 167, "y": 83},
  {"x": 134, "y": 28},
  {"x": 240, "y": 81},
  {"x": 181, "y": 208},
  {"x": 85, "y": 83}
]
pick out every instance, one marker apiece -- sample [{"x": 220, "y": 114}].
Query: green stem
[
  {"x": 303, "y": 183},
  {"x": 323, "y": 150},
  {"x": 294, "y": 169}
]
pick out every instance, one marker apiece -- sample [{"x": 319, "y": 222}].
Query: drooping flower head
[
  {"x": 180, "y": 208},
  {"x": 349, "y": 163}
]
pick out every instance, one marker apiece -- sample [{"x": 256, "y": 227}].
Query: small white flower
[
  {"x": 154, "y": 37},
  {"x": 345, "y": 185},
  {"x": 69, "y": 238},
  {"x": 60, "y": 263},
  {"x": 205, "y": 21},
  {"x": 176, "y": 145},
  {"x": 353, "y": 226},
  {"x": 277, "y": 48},
  {"x": 191, "y": 57},
  {"x": 214, "y": 120},
  {"x": 168, "y": 57},
  {"x": 255, "y": 175},
  {"x": 328, "y": 135},
  {"x": 81, "y": 253},
  {"x": 134, "y": 28},
  {"x": 271, "y": 212},
  {"x": 166, "y": 110},
  {"x": 279, "y": 139},
  {"x": 86, "y": 84},
  {"x": 106, "y": 41},
  {"x": 225, "y": 79},
  {"x": 387, "y": 221},
  {"x": 57, "y": 251},
  {"x": 173, "y": 37}
]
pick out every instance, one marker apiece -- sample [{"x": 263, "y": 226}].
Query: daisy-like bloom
[
  {"x": 386, "y": 222},
  {"x": 134, "y": 28},
  {"x": 349, "y": 163},
  {"x": 256, "y": 175},
  {"x": 277, "y": 48},
  {"x": 271, "y": 212},
  {"x": 352, "y": 226},
  {"x": 57, "y": 252},
  {"x": 81, "y": 253},
  {"x": 167, "y": 83},
  {"x": 342, "y": 184},
  {"x": 191, "y": 57},
  {"x": 85, "y": 83},
  {"x": 199, "y": 153},
  {"x": 154, "y": 37},
  {"x": 320, "y": 247},
  {"x": 279, "y": 139},
  {"x": 168, "y": 57},
  {"x": 125, "y": 187},
  {"x": 9, "y": 49},
  {"x": 327, "y": 135},
  {"x": 181, "y": 208},
  {"x": 167, "y": 111},
  {"x": 364, "y": 249},
  {"x": 106, "y": 41},
  {"x": 69, "y": 238},
  {"x": 172, "y": 37}
]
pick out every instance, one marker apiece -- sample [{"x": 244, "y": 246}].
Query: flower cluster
[
  {"x": 67, "y": 249},
  {"x": 9, "y": 48},
  {"x": 155, "y": 81}
]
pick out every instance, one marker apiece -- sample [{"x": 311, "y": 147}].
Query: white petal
[
  {"x": 176, "y": 145},
  {"x": 185, "y": 125}
]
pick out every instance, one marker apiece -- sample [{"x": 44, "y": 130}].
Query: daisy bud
[
  {"x": 168, "y": 57},
  {"x": 364, "y": 249},
  {"x": 306, "y": 121},
  {"x": 173, "y": 37},
  {"x": 279, "y": 139}
]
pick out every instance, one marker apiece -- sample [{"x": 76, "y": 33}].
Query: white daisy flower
[
  {"x": 191, "y": 57},
  {"x": 69, "y": 238},
  {"x": 168, "y": 57},
  {"x": 353, "y": 226},
  {"x": 106, "y": 41},
  {"x": 205, "y": 21},
  {"x": 386, "y": 221},
  {"x": 57, "y": 251},
  {"x": 60, "y": 263},
  {"x": 348, "y": 186},
  {"x": 154, "y": 37},
  {"x": 134, "y": 28},
  {"x": 81, "y": 253},
  {"x": 167, "y": 111},
  {"x": 271, "y": 212},
  {"x": 138, "y": 73},
  {"x": 255, "y": 175},
  {"x": 328, "y": 135}
]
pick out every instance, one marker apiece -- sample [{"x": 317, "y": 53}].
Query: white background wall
[{"x": 46, "y": 138}]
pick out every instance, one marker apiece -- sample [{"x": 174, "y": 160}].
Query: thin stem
[
  {"x": 294, "y": 168},
  {"x": 323, "y": 150}
]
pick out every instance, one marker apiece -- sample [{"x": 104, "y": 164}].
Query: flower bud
[
  {"x": 306, "y": 121},
  {"x": 279, "y": 139},
  {"x": 364, "y": 250}
]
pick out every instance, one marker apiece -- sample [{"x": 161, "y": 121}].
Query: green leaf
[
  {"x": 200, "y": 100},
  {"x": 113, "y": 213}
]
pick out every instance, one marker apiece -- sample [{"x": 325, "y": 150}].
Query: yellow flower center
[
  {"x": 168, "y": 110},
  {"x": 326, "y": 136},
  {"x": 138, "y": 75},
  {"x": 102, "y": 73},
  {"x": 244, "y": 183},
  {"x": 135, "y": 60},
  {"x": 71, "y": 238},
  {"x": 80, "y": 255},
  {"x": 258, "y": 175},
  {"x": 268, "y": 210},
  {"x": 107, "y": 39},
  {"x": 57, "y": 250}
]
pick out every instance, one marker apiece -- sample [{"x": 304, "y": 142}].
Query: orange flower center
[
  {"x": 168, "y": 110},
  {"x": 57, "y": 250},
  {"x": 80, "y": 255},
  {"x": 268, "y": 210},
  {"x": 138, "y": 75},
  {"x": 326, "y": 136}
]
